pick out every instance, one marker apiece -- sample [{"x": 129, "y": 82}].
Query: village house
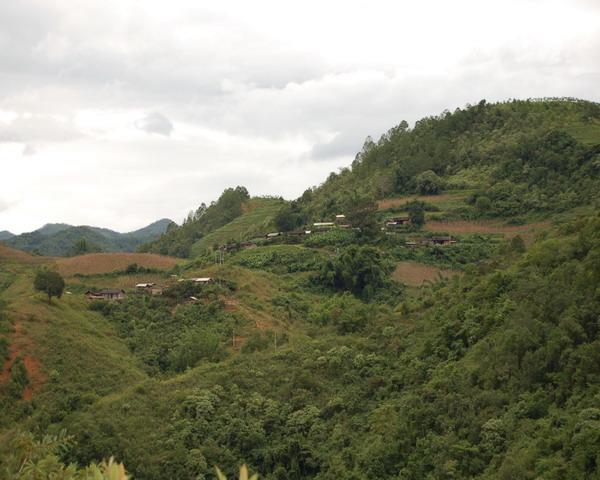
[
  {"x": 272, "y": 235},
  {"x": 340, "y": 221},
  {"x": 150, "y": 288},
  {"x": 442, "y": 240},
  {"x": 397, "y": 222},
  {"x": 201, "y": 280},
  {"x": 321, "y": 226},
  {"x": 298, "y": 233},
  {"x": 105, "y": 295}
]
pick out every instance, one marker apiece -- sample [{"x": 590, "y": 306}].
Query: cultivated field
[
  {"x": 433, "y": 199},
  {"x": 256, "y": 220},
  {"x": 464, "y": 226},
  {"x": 415, "y": 274},
  {"x": 8, "y": 254},
  {"x": 96, "y": 263}
]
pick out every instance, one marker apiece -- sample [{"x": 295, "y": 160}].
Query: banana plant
[{"x": 243, "y": 474}]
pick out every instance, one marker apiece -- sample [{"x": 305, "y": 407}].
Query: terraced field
[
  {"x": 257, "y": 220},
  {"x": 97, "y": 263}
]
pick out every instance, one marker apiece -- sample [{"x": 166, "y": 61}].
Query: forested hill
[
  {"x": 60, "y": 239},
  {"x": 517, "y": 157}
]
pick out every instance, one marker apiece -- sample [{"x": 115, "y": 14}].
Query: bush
[
  {"x": 359, "y": 270},
  {"x": 428, "y": 183}
]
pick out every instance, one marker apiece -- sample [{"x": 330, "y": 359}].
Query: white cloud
[{"x": 141, "y": 110}]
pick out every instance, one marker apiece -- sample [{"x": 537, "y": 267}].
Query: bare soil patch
[
  {"x": 20, "y": 346},
  {"x": 464, "y": 226},
  {"x": 414, "y": 274},
  {"x": 97, "y": 263},
  {"x": 399, "y": 201}
]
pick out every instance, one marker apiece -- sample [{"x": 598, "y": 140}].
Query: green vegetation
[
  {"x": 525, "y": 156},
  {"x": 25, "y": 458},
  {"x": 171, "y": 340},
  {"x": 49, "y": 282},
  {"x": 280, "y": 259},
  {"x": 178, "y": 241},
  {"x": 256, "y": 221},
  {"x": 359, "y": 270},
  {"x": 304, "y": 359}
]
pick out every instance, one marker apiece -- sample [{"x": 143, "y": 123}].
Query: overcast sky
[{"x": 117, "y": 113}]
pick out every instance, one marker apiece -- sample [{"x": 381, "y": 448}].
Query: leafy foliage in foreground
[{"x": 27, "y": 458}]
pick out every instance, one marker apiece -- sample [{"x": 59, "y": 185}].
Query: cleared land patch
[
  {"x": 465, "y": 226},
  {"x": 415, "y": 274},
  {"x": 433, "y": 199},
  {"x": 96, "y": 263},
  {"x": 13, "y": 255}
]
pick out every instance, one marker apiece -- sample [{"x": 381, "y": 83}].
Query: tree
[
  {"x": 483, "y": 204},
  {"x": 288, "y": 217},
  {"x": 360, "y": 270},
  {"x": 360, "y": 210},
  {"x": 428, "y": 183},
  {"x": 416, "y": 213},
  {"x": 49, "y": 282}
]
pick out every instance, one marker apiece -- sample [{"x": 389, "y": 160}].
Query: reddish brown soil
[
  {"x": 231, "y": 305},
  {"x": 396, "y": 202},
  {"x": 21, "y": 346}
]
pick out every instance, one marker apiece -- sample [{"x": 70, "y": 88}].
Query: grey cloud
[
  {"x": 342, "y": 145},
  {"x": 155, "y": 123}
]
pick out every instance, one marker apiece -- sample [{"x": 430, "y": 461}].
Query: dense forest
[{"x": 463, "y": 344}]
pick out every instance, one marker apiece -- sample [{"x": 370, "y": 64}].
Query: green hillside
[
  {"x": 256, "y": 221},
  {"x": 517, "y": 157},
  {"x": 463, "y": 344}
]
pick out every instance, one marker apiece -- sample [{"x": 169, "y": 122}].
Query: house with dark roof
[{"x": 105, "y": 295}]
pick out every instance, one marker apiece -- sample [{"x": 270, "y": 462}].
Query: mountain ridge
[{"x": 61, "y": 239}]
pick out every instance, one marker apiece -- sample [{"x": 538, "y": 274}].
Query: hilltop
[
  {"x": 60, "y": 239},
  {"x": 5, "y": 235},
  {"x": 445, "y": 327}
]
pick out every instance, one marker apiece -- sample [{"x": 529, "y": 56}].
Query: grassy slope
[
  {"x": 257, "y": 220},
  {"x": 76, "y": 352}
]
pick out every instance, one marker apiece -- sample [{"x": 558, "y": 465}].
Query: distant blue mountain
[{"x": 61, "y": 239}]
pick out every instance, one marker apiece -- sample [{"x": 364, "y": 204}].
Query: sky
[{"x": 116, "y": 113}]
